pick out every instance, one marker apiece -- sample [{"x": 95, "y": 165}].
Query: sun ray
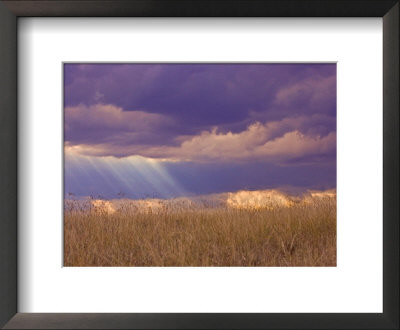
[{"x": 136, "y": 176}]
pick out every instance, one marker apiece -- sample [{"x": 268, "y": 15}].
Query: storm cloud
[{"x": 217, "y": 115}]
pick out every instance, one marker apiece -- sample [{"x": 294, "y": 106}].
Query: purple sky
[{"x": 173, "y": 129}]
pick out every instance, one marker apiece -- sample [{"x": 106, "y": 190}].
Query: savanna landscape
[
  {"x": 200, "y": 165},
  {"x": 262, "y": 228}
]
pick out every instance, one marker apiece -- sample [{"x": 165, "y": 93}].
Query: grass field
[{"x": 300, "y": 235}]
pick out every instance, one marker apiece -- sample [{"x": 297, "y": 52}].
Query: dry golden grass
[{"x": 302, "y": 235}]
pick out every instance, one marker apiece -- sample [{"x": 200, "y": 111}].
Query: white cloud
[{"x": 274, "y": 142}]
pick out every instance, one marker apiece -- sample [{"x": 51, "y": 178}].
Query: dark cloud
[
  {"x": 203, "y": 95},
  {"x": 216, "y": 127},
  {"x": 108, "y": 124}
]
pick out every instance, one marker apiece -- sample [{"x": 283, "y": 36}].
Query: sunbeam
[{"x": 133, "y": 176}]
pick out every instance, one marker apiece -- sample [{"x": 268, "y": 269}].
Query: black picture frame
[{"x": 10, "y": 10}]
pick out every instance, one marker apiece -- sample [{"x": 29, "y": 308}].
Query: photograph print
[{"x": 199, "y": 164}]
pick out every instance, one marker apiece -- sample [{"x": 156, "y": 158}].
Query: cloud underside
[
  {"x": 202, "y": 112},
  {"x": 109, "y": 131}
]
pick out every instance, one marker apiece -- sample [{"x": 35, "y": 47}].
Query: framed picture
[{"x": 225, "y": 166}]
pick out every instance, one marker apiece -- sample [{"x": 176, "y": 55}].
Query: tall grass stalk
[{"x": 302, "y": 235}]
